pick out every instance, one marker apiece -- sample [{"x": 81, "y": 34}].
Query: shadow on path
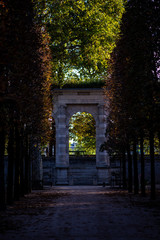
[{"x": 81, "y": 213}]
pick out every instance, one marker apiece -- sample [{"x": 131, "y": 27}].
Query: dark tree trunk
[
  {"x": 17, "y": 165},
  {"x": 54, "y": 137},
  {"x": 30, "y": 169},
  {"x": 11, "y": 167},
  {"x": 2, "y": 171},
  {"x": 136, "y": 183},
  {"x": 52, "y": 141},
  {"x": 142, "y": 166},
  {"x": 120, "y": 176},
  {"x": 153, "y": 191},
  {"x": 22, "y": 174},
  {"x": 55, "y": 148},
  {"x": 129, "y": 169},
  {"x": 124, "y": 169},
  {"x": 27, "y": 167},
  {"x": 50, "y": 148}
]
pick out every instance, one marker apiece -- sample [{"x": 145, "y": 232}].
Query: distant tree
[
  {"x": 82, "y": 130},
  {"x": 2, "y": 162}
]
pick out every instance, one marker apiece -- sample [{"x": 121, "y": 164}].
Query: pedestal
[
  {"x": 103, "y": 175},
  {"x": 62, "y": 176}
]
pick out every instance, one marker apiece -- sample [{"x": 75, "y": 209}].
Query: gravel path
[{"x": 81, "y": 213}]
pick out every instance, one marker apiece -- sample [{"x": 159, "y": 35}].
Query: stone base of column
[
  {"x": 103, "y": 175},
  {"x": 62, "y": 176}
]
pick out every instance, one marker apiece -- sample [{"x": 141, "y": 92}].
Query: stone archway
[{"x": 66, "y": 103}]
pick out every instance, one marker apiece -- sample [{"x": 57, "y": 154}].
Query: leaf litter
[{"x": 32, "y": 204}]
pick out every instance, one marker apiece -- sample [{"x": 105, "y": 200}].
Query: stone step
[
  {"x": 83, "y": 176},
  {"x": 83, "y": 180},
  {"x": 88, "y": 171},
  {"x": 82, "y": 170}
]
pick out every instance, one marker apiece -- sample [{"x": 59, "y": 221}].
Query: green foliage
[
  {"x": 156, "y": 146},
  {"x": 83, "y": 35},
  {"x": 81, "y": 84},
  {"x": 82, "y": 131}
]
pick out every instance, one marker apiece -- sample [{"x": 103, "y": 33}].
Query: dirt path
[{"x": 81, "y": 213}]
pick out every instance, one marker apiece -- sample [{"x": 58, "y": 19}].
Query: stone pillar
[
  {"x": 102, "y": 158},
  {"x": 62, "y": 157}
]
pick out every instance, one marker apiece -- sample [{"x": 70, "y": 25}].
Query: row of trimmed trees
[
  {"x": 82, "y": 36},
  {"x": 133, "y": 90},
  {"x": 25, "y": 98}
]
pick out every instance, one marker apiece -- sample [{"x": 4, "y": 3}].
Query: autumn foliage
[
  {"x": 133, "y": 90},
  {"x": 25, "y": 97}
]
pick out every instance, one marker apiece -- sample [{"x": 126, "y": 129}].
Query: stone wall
[
  {"x": 49, "y": 176},
  {"x": 116, "y": 167},
  {"x": 83, "y": 171}
]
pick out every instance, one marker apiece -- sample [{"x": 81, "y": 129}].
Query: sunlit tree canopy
[{"x": 83, "y": 35}]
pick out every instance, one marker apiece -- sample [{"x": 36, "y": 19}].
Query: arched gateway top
[
  {"x": 79, "y": 100},
  {"x": 67, "y": 102}
]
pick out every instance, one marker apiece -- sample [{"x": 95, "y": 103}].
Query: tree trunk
[
  {"x": 27, "y": 167},
  {"x": 17, "y": 165},
  {"x": 50, "y": 148},
  {"x": 129, "y": 169},
  {"x": 120, "y": 177},
  {"x": 11, "y": 167},
  {"x": 55, "y": 149},
  {"x": 22, "y": 154},
  {"x": 54, "y": 138},
  {"x": 30, "y": 169},
  {"x": 2, "y": 171},
  {"x": 124, "y": 169},
  {"x": 136, "y": 183},
  {"x": 26, "y": 181},
  {"x": 142, "y": 166},
  {"x": 151, "y": 138}
]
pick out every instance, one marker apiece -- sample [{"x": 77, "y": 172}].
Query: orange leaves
[{"x": 2, "y": 3}]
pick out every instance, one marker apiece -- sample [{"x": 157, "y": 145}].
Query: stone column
[
  {"x": 62, "y": 157},
  {"x": 102, "y": 158}
]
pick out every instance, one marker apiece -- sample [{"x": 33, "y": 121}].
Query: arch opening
[{"x": 82, "y": 134}]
